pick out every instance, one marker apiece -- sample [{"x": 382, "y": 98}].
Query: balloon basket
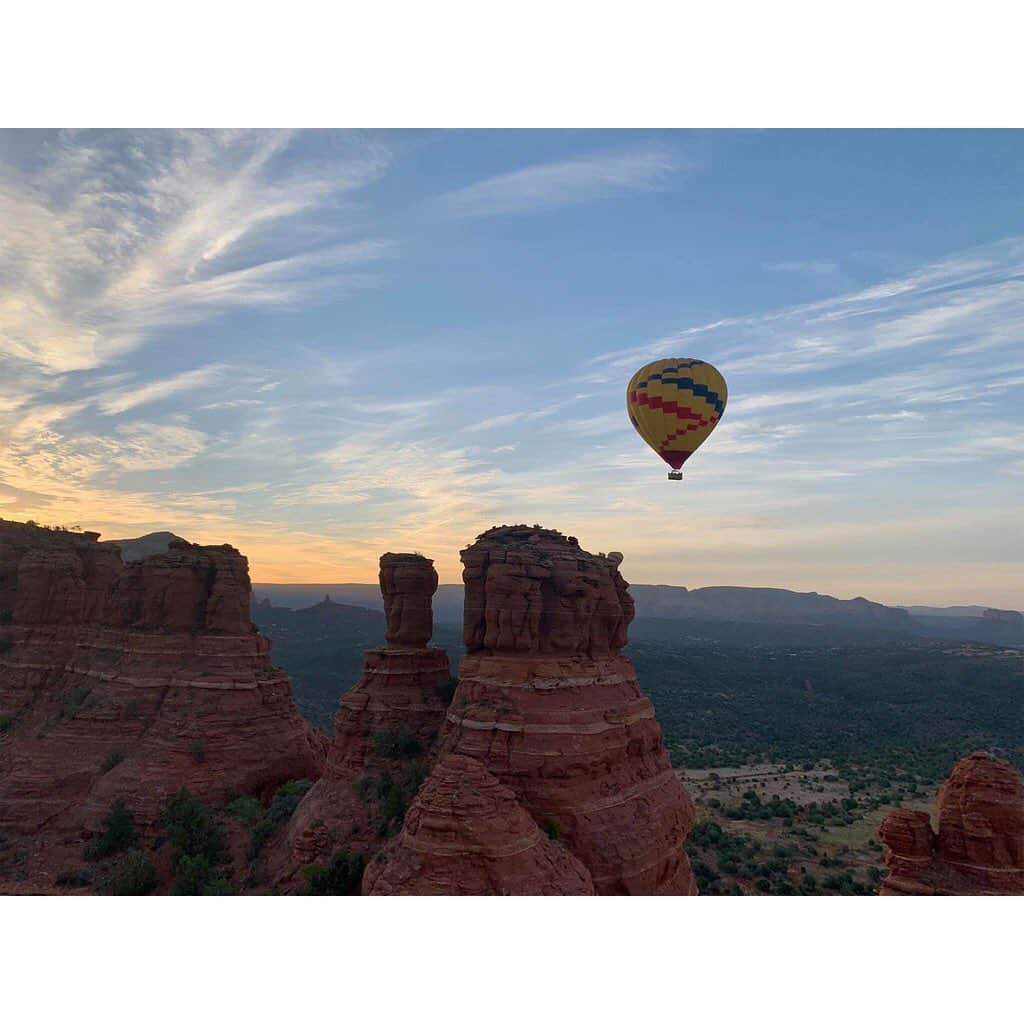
[{"x": 675, "y": 475}]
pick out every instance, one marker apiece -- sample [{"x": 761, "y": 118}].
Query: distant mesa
[
  {"x": 135, "y": 549},
  {"x": 767, "y": 604},
  {"x": 977, "y": 848},
  {"x": 1009, "y": 618},
  {"x": 707, "y": 604}
]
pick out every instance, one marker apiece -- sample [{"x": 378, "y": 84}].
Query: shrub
[
  {"x": 6, "y": 721},
  {"x": 365, "y": 787},
  {"x": 551, "y": 827},
  {"x": 192, "y": 875},
  {"x": 392, "y": 799},
  {"x": 112, "y": 760},
  {"x": 76, "y": 700},
  {"x": 396, "y": 745},
  {"x": 191, "y": 829},
  {"x": 258, "y": 838},
  {"x": 286, "y": 799},
  {"x": 446, "y": 690},
  {"x": 198, "y": 876},
  {"x": 6, "y": 616},
  {"x": 198, "y": 750},
  {"x": 341, "y": 877},
  {"x": 219, "y": 886},
  {"x": 282, "y": 807},
  {"x": 246, "y": 809},
  {"x": 131, "y": 875},
  {"x": 414, "y": 777},
  {"x": 117, "y": 835},
  {"x": 73, "y": 879}
]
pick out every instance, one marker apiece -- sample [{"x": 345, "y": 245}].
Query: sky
[{"x": 320, "y": 346}]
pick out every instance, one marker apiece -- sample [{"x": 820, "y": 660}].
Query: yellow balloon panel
[{"x": 675, "y": 404}]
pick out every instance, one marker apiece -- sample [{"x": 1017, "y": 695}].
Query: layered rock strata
[
  {"x": 385, "y": 729},
  {"x": 408, "y": 584},
  {"x": 467, "y": 835},
  {"x": 130, "y": 680},
  {"x": 978, "y": 847},
  {"x": 548, "y": 705}
]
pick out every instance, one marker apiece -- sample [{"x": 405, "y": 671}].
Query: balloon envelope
[{"x": 675, "y": 404}]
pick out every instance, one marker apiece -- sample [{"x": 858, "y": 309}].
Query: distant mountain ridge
[
  {"x": 965, "y": 611},
  {"x": 766, "y": 604},
  {"x": 704, "y": 604},
  {"x": 761, "y": 605},
  {"x": 716, "y": 604}
]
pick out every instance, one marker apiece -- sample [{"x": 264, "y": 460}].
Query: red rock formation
[
  {"x": 548, "y": 705},
  {"x": 408, "y": 583},
  {"x": 384, "y": 731},
  {"x": 133, "y": 680},
  {"x": 979, "y": 846},
  {"x": 467, "y": 835}
]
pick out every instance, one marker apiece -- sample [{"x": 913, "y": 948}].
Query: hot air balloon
[{"x": 674, "y": 405}]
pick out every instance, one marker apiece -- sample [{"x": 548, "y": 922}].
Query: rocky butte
[
  {"x": 978, "y": 848},
  {"x": 549, "y": 706},
  {"x": 129, "y": 680},
  {"x": 385, "y": 730}
]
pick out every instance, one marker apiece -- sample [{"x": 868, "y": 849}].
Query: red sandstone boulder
[
  {"x": 550, "y": 708},
  {"x": 980, "y": 811},
  {"x": 467, "y": 835},
  {"x": 979, "y": 846}
]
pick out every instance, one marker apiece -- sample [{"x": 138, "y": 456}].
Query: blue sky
[{"x": 321, "y": 346}]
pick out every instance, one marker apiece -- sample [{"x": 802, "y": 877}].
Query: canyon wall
[{"x": 129, "y": 680}]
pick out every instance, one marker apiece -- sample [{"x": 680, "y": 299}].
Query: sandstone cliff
[
  {"x": 548, "y": 705},
  {"x": 130, "y": 680},
  {"x": 978, "y": 848}
]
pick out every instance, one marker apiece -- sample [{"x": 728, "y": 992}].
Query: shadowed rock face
[
  {"x": 408, "y": 584},
  {"x": 551, "y": 709},
  {"x": 978, "y": 848},
  {"x": 129, "y": 681},
  {"x": 467, "y": 835}
]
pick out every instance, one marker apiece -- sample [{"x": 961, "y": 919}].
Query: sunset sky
[{"x": 322, "y": 346}]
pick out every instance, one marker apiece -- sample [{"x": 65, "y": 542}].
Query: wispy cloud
[
  {"x": 123, "y": 399},
  {"x": 111, "y": 236},
  {"x": 975, "y": 299},
  {"x": 567, "y": 181}
]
